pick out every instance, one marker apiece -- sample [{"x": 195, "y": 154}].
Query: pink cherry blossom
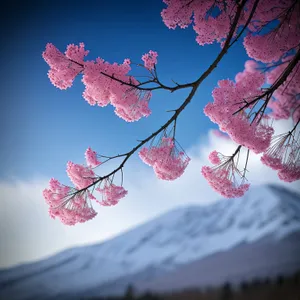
[
  {"x": 214, "y": 157},
  {"x": 76, "y": 53},
  {"x": 130, "y": 104},
  {"x": 290, "y": 172},
  {"x": 80, "y": 175},
  {"x": 228, "y": 98},
  {"x": 150, "y": 59},
  {"x": 91, "y": 158},
  {"x": 283, "y": 155},
  {"x": 56, "y": 193},
  {"x": 275, "y": 42},
  {"x": 208, "y": 25},
  {"x": 220, "y": 180},
  {"x": 167, "y": 161},
  {"x": 62, "y": 70},
  {"x": 223, "y": 177},
  {"x": 286, "y": 97},
  {"x": 212, "y": 20},
  {"x": 131, "y": 111},
  {"x": 76, "y": 211},
  {"x": 66, "y": 206},
  {"x": 111, "y": 194}
]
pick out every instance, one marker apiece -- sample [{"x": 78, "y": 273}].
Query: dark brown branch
[
  {"x": 226, "y": 44},
  {"x": 281, "y": 79},
  {"x": 294, "y": 128},
  {"x": 155, "y": 80},
  {"x": 246, "y": 163},
  {"x": 247, "y": 22},
  {"x": 236, "y": 151}
]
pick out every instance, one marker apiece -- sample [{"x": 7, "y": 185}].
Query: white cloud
[{"x": 28, "y": 233}]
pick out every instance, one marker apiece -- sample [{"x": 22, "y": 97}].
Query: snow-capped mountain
[
  {"x": 159, "y": 247},
  {"x": 265, "y": 258}
]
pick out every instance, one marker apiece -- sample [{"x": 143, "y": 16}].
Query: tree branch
[
  {"x": 280, "y": 80},
  {"x": 195, "y": 85},
  {"x": 155, "y": 80}
]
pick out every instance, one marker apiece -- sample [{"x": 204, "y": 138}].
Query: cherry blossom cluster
[
  {"x": 166, "y": 159},
  {"x": 80, "y": 175},
  {"x": 64, "y": 67},
  {"x": 281, "y": 37},
  {"x": 286, "y": 99},
  {"x": 225, "y": 177},
  {"x": 283, "y": 155},
  {"x": 73, "y": 205},
  {"x": 105, "y": 83},
  {"x": 111, "y": 194},
  {"x": 214, "y": 157},
  {"x": 150, "y": 59},
  {"x": 130, "y": 103},
  {"x": 91, "y": 158},
  {"x": 230, "y": 96},
  {"x": 212, "y": 19},
  {"x": 68, "y": 207}
]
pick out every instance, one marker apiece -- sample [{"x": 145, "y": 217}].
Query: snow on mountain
[
  {"x": 265, "y": 258},
  {"x": 176, "y": 238}
]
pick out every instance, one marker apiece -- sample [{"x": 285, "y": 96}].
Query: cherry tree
[{"x": 267, "y": 89}]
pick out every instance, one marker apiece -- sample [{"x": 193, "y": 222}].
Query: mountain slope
[
  {"x": 265, "y": 258},
  {"x": 160, "y": 246}
]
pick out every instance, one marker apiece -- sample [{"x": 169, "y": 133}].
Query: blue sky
[{"x": 44, "y": 127}]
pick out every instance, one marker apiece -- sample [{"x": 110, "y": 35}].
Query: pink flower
[
  {"x": 56, "y": 193},
  {"x": 76, "y": 53},
  {"x": 214, "y": 158},
  {"x": 91, "y": 158},
  {"x": 285, "y": 102},
  {"x": 284, "y": 156},
  {"x": 63, "y": 70},
  {"x": 221, "y": 181},
  {"x": 80, "y": 175},
  {"x": 272, "y": 45},
  {"x": 223, "y": 177},
  {"x": 130, "y": 104},
  {"x": 212, "y": 21},
  {"x": 150, "y": 59},
  {"x": 67, "y": 206},
  {"x": 290, "y": 172},
  {"x": 228, "y": 98},
  {"x": 209, "y": 28},
  {"x": 167, "y": 161},
  {"x": 111, "y": 194}
]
